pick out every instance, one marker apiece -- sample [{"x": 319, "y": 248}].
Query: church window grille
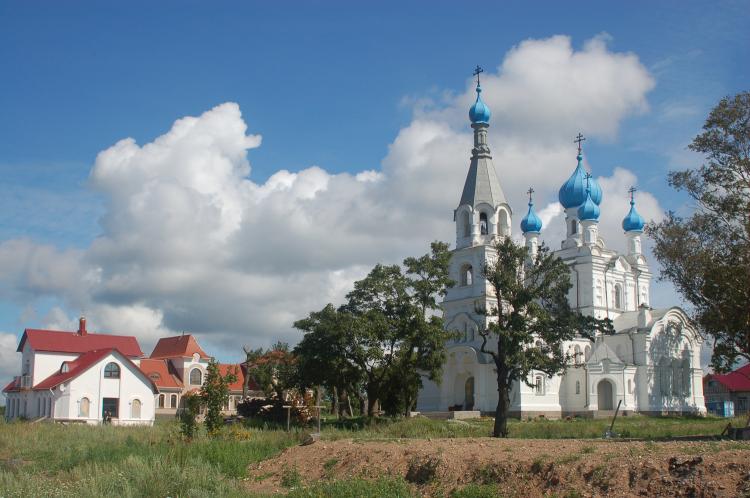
[
  {"x": 578, "y": 387},
  {"x": 466, "y": 275},
  {"x": 483, "y": 226}
]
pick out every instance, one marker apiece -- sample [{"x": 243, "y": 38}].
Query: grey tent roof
[{"x": 482, "y": 184}]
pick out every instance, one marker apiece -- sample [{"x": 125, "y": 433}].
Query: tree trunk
[
  {"x": 349, "y": 405},
  {"x": 503, "y": 405},
  {"x": 335, "y": 403}
]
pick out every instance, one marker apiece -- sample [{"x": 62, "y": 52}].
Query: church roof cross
[
  {"x": 477, "y": 72},
  {"x": 632, "y": 191},
  {"x": 588, "y": 176},
  {"x": 580, "y": 138},
  {"x": 530, "y": 191}
]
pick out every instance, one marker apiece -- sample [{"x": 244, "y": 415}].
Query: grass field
[{"x": 56, "y": 460}]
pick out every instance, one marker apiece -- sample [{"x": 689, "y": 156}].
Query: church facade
[{"x": 652, "y": 362}]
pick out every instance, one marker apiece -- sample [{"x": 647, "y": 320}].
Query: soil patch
[{"x": 522, "y": 467}]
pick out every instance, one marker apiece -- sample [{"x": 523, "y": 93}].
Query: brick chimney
[{"x": 82, "y": 326}]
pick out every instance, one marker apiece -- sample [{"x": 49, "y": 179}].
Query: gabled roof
[
  {"x": 603, "y": 352},
  {"x": 737, "y": 381},
  {"x": 82, "y": 364},
  {"x": 58, "y": 341},
  {"x": 178, "y": 347},
  {"x": 161, "y": 373},
  {"x": 482, "y": 184}
]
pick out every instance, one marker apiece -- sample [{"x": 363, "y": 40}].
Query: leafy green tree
[
  {"x": 191, "y": 405},
  {"x": 707, "y": 255},
  {"x": 385, "y": 335},
  {"x": 531, "y": 320},
  {"x": 214, "y": 394},
  {"x": 322, "y": 352}
]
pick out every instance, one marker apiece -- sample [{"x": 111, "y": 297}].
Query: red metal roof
[
  {"x": 737, "y": 381},
  {"x": 161, "y": 373},
  {"x": 178, "y": 347},
  {"x": 73, "y": 342},
  {"x": 81, "y": 364}
]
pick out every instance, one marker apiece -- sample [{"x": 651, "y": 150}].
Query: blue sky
[{"x": 327, "y": 84}]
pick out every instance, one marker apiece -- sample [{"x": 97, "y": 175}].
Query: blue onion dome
[
  {"x": 479, "y": 112},
  {"x": 588, "y": 211},
  {"x": 633, "y": 222},
  {"x": 531, "y": 222},
  {"x": 573, "y": 191}
]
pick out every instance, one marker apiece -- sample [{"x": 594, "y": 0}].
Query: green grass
[{"x": 422, "y": 428}]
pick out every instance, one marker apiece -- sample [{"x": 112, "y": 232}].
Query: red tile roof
[
  {"x": 737, "y": 381},
  {"x": 225, "y": 368},
  {"x": 72, "y": 342},
  {"x": 161, "y": 373},
  {"x": 178, "y": 347},
  {"x": 81, "y": 364}
]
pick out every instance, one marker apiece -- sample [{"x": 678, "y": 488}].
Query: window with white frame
[
  {"x": 196, "y": 377},
  {"x": 539, "y": 385}
]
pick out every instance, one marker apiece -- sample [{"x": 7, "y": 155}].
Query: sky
[{"x": 225, "y": 168}]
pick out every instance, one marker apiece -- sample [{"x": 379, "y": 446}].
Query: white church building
[{"x": 652, "y": 362}]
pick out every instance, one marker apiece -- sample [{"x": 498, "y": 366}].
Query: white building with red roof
[{"x": 80, "y": 377}]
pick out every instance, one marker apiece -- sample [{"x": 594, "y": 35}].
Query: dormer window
[
  {"x": 64, "y": 368},
  {"x": 196, "y": 377}
]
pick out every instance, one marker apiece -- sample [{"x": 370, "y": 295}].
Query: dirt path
[{"x": 524, "y": 467}]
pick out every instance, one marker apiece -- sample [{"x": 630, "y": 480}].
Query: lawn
[{"x": 54, "y": 460}]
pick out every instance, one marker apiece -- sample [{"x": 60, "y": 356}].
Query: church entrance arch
[
  {"x": 469, "y": 394},
  {"x": 604, "y": 395}
]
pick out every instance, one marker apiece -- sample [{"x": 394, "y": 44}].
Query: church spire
[{"x": 479, "y": 216}]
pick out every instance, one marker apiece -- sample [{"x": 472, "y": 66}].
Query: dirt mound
[{"x": 522, "y": 467}]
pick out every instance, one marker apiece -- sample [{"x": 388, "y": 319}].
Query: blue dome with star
[
  {"x": 588, "y": 211},
  {"x": 479, "y": 112},
  {"x": 633, "y": 222},
  {"x": 531, "y": 222},
  {"x": 573, "y": 191}
]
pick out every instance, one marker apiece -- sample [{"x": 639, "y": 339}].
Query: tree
[
  {"x": 707, "y": 255},
  {"x": 214, "y": 394},
  {"x": 531, "y": 320},
  {"x": 384, "y": 337},
  {"x": 274, "y": 370},
  {"x": 191, "y": 403}
]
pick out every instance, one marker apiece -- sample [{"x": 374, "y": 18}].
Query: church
[{"x": 650, "y": 365}]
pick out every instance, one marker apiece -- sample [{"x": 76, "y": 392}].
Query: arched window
[
  {"x": 161, "y": 401},
  {"x": 465, "y": 224},
  {"x": 573, "y": 227},
  {"x": 539, "y": 385},
  {"x": 665, "y": 377},
  {"x": 587, "y": 353},
  {"x": 196, "y": 377},
  {"x": 466, "y": 275},
  {"x": 578, "y": 387},
  {"x": 83, "y": 408},
  {"x": 676, "y": 377},
  {"x": 173, "y": 401},
  {"x": 64, "y": 368},
  {"x": 577, "y": 355},
  {"x": 112, "y": 371},
  {"x": 686, "y": 377},
  {"x": 135, "y": 409},
  {"x": 483, "y": 225},
  {"x": 618, "y": 296}
]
